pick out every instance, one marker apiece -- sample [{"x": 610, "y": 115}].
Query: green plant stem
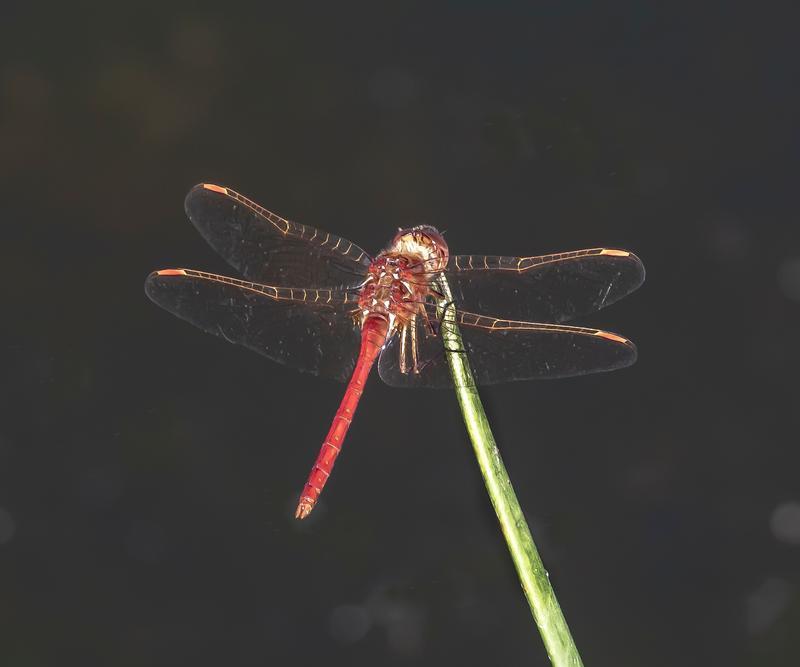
[{"x": 534, "y": 578}]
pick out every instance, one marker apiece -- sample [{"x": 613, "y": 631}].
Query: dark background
[{"x": 148, "y": 472}]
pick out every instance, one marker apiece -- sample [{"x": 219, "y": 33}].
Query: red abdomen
[{"x": 373, "y": 336}]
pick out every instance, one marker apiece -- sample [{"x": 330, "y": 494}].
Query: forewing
[
  {"x": 309, "y": 330},
  {"x": 266, "y": 248},
  {"x": 507, "y": 350},
  {"x": 548, "y": 288}
]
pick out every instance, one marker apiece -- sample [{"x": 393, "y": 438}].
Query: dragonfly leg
[
  {"x": 429, "y": 328},
  {"x": 403, "y": 349},
  {"x": 412, "y": 325}
]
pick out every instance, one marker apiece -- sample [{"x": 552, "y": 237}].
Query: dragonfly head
[{"x": 422, "y": 243}]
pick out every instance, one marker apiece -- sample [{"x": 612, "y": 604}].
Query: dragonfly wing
[
  {"x": 309, "y": 330},
  {"x": 547, "y": 288},
  {"x": 507, "y": 350},
  {"x": 264, "y": 247}
]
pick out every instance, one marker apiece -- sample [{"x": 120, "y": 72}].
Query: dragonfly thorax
[
  {"x": 385, "y": 290},
  {"x": 400, "y": 279}
]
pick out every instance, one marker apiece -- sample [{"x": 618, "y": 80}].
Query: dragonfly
[{"x": 318, "y": 303}]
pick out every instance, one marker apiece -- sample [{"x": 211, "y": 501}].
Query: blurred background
[{"x": 149, "y": 472}]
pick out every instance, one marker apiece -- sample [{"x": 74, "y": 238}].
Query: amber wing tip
[
  {"x": 214, "y": 188},
  {"x": 615, "y": 253},
  {"x": 614, "y": 337},
  {"x": 171, "y": 272}
]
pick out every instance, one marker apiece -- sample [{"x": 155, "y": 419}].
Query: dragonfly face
[{"x": 424, "y": 243}]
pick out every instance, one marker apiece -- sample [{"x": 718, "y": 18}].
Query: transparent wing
[
  {"x": 504, "y": 351},
  {"x": 547, "y": 288},
  {"x": 311, "y": 330},
  {"x": 266, "y": 248}
]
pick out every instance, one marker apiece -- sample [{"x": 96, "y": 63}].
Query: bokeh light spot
[
  {"x": 766, "y": 604},
  {"x": 789, "y": 278},
  {"x": 7, "y": 526},
  {"x": 785, "y": 522},
  {"x": 349, "y": 623}
]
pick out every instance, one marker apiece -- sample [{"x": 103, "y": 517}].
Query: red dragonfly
[{"x": 319, "y": 303}]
